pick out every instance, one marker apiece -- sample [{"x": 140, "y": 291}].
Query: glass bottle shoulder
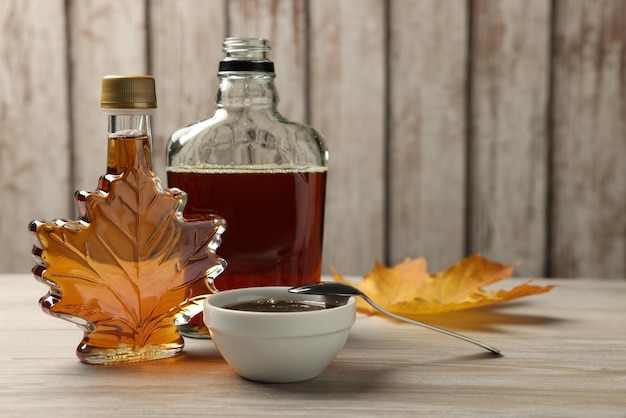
[{"x": 244, "y": 138}]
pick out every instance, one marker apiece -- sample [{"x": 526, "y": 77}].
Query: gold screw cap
[{"x": 128, "y": 92}]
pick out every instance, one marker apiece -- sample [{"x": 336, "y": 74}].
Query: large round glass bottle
[{"x": 264, "y": 174}]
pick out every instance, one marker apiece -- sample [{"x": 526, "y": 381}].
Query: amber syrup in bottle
[
  {"x": 131, "y": 268},
  {"x": 264, "y": 174}
]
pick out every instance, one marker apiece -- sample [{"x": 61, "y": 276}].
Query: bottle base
[
  {"x": 192, "y": 330},
  {"x": 127, "y": 354}
]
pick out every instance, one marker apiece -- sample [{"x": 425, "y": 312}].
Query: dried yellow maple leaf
[{"x": 408, "y": 289}]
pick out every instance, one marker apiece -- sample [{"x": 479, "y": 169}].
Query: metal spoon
[{"x": 342, "y": 290}]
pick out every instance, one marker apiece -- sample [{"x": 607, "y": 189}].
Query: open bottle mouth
[{"x": 246, "y": 54}]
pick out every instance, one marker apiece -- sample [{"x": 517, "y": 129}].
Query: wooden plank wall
[{"x": 454, "y": 126}]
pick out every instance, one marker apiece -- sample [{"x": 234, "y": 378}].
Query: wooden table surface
[{"x": 564, "y": 356}]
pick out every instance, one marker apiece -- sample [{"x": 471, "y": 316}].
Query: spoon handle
[{"x": 431, "y": 327}]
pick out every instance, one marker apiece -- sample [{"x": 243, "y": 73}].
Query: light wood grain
[
  {"x": 588, "y": 215},
  {"x": 529, "y": 166},
  {"x": 283, "y": 22},
  {"x": 427, "y": 97},
  {"x": 347, "y": 107},
  {"x": 563, "y": 357},
  {"x": 34, "y": 121},
  {"x": 509, "y": 135},
  {"x": 185, "y": 49},
  {"x": 105, "y": 37}
]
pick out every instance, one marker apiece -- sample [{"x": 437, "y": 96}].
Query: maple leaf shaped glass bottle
[
  {"x": 264, "y": 174},
  {"x": 131, "y": 268}
]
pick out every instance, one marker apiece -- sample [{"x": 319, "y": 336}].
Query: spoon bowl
[{"x": 336, "y": 292}]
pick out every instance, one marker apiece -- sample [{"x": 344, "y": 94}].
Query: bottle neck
[
  {"x": 129, "y": 141},
  {"x": 247, "y": 91}
]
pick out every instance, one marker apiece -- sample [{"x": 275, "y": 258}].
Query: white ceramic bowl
[{"x": 277, "y": 347}]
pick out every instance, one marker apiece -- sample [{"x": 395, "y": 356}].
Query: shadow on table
[
  {"x": 486, "y": 319},
  {"x": 339, "y": 380}
]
